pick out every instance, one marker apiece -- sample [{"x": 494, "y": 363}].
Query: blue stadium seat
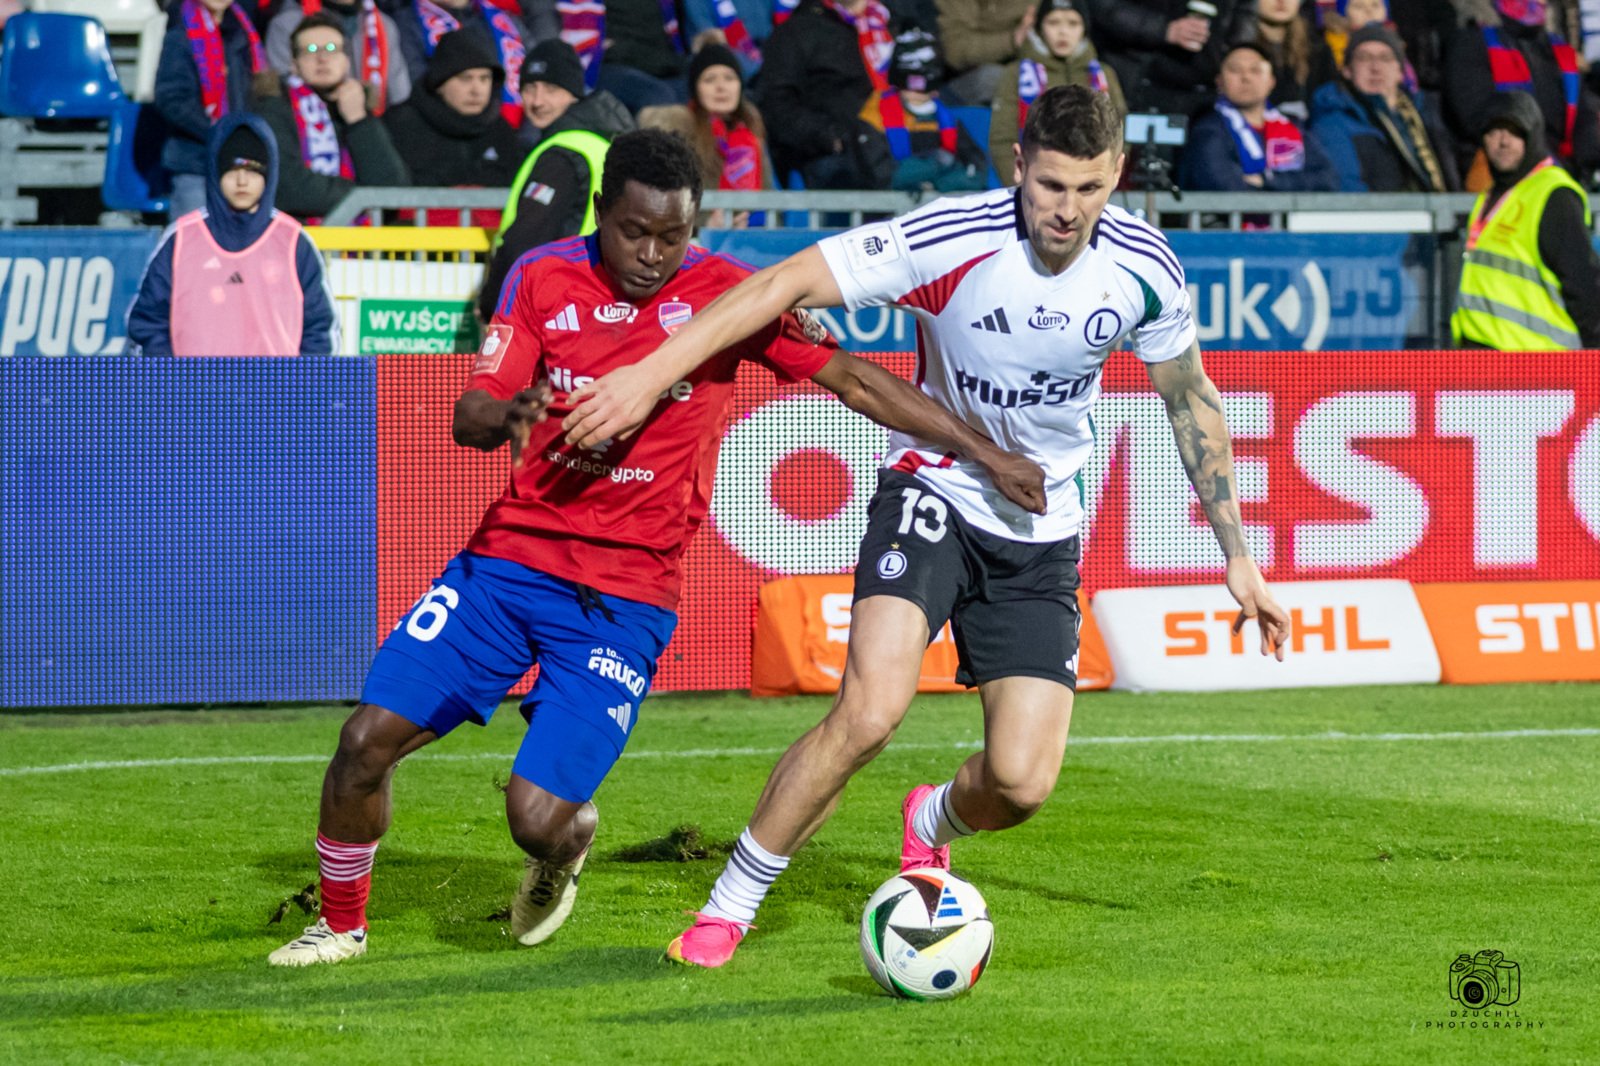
[
  {"x": 57, "y": 66},
  {"x": 135, "y": 179},
  {"x": 976, "y": 121}
]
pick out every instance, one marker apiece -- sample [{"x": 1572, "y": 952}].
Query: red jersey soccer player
[{"x": 576, "y": 566}]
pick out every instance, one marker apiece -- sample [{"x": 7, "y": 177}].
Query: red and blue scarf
[
  {"x": 872, "y": 38},
  {"x": 782, "y": 9},
  {"x": 436, "y": 22},
  {"x": 740, "y": 150},
  {"x": 734, "y": 30},
  {"x": 893, "y": 111},
  {"x": 374, "y": 50},
  {"x": 320, "y": 149},
  {"x": 583, "y": 26},
  {"x": 210, "y": 58},
  {"x": 1278, "y": 147},
  {"x": 1511, "y": 74}
]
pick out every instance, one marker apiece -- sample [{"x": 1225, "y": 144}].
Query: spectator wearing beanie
[
  {"x": 211, "y": 65},
  {"x": 451, "y": 132},
  {"x": 376, "y": 57},
  {"x": 1243, "y": 143},
  {"x": 328, "y": 137},
  {"x": 722, "y": 126},
  {"x": 238, "y": 278},
  {"x": 425, "y": 23},
  {"x": 1375, "y": 132},
  {"x": 931, "y": 150},
  {"x": 1057, "y": 52},
  {"x": 552, "y": 194}
]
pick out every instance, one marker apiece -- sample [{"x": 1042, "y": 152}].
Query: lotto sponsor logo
[
  {"x": 619, "y": 474},
  {"x": 1489, "y": 632},
  {"x": 614, "y": 313},
  {"x": 1042, "y": 319},
  {"x": 1341, "y": 633},
  {"x": 1043, "y": 388},
  {"x": 609, "y": 665}
]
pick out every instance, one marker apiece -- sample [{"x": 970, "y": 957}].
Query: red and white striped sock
[{"x": 346, "y": 881}]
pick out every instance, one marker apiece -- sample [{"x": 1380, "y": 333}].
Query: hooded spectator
[
  {"x": 211, "y": 65},
  {"x": 236, "y": 277},
  {"x": 1057, "y": 52},
  {"x": 326, "y": 133},
  {"x": 452, "y": 132},
  {"x": 1377, "y": 134},
  {"x": 1508, "y": 49}
]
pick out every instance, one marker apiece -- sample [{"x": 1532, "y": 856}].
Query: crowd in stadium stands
[{"x": 861, "y": 94}]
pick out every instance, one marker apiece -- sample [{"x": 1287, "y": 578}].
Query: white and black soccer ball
[{"x": 926, "y": 934}]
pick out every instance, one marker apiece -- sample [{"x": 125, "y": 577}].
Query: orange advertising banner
[
  {"x": 803, "y": 628},
  {"x": 1489, "y": 632}
]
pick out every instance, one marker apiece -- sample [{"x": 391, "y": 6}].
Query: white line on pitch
[{"x": 712, "y": 753}]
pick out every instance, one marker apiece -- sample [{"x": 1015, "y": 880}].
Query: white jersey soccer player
[
  {"x": 1020, "y": 297},
  {"x": 1011, "y": 347}
]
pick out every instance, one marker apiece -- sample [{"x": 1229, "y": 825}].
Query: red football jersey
[{"x": 619, "y": 517}]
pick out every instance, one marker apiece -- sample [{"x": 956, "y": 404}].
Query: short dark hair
[
  {"x": 651, "y": 157},
  {"x": 321, "y": 20},
  {"x": 1075, "y": 120}
]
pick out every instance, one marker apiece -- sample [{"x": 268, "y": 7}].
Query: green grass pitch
[{"x": 1293, "y": 894}]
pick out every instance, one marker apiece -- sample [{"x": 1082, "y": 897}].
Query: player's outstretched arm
[
  {"x": 869, "y": 389},
  {"x": 617, "y": 404},
  {"x": 485, "y": 423},
  {"x": 1194, "y": 408}
]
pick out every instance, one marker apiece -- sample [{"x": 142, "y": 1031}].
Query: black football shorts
[{"x": 1013, "y": 605}]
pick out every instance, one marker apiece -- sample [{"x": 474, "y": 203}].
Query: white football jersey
[{"x": 1011, "y": 348}]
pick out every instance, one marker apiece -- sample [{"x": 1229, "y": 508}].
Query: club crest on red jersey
[{"x": 674, "y": 315}]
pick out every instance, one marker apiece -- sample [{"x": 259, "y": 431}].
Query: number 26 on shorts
[
  {"x": 431, "y": 611},
  {"x": 923, "y": 514}
]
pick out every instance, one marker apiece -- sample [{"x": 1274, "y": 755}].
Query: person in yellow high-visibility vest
[
  {"x": 552, "y": 195},
  {"x": 1530, "y": 280}
]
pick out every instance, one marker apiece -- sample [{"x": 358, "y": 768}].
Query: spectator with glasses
[
  {"x": 376, "y": 58},
  {"x": 328, "y": 137}
]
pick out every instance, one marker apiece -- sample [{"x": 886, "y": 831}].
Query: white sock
[
  {"x": 935, "y": 822},
  {"x": 744, "y": 882}
]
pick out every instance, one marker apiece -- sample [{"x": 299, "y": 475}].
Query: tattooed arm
[{"x": 1195, "y": 410}]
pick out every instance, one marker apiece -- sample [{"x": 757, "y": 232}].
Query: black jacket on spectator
[
  {"x": 414, "y": 45},
  {"x": 639, "y": 40},
  {"x": 304, "y": 193},
  {"x": 1132, "y": 36},
  {"x": 813, "y": 83},
  {"x": 1469, "y": 89},
  {"x": 177, "y": 93},
  {"x": 566, "y": 175},
  {"x": 445, "y": 147}
]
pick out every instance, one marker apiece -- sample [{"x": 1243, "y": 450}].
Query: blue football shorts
[{"x": 478, "y": 629}]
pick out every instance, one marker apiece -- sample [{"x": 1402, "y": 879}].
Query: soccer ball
[{"x": 926, "y": 934}]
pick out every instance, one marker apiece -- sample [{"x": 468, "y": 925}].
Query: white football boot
[
  {"x": 320, "y": 944},
  {"x": 544, "y": 899}
]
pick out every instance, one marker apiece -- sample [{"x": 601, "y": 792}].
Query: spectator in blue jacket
[
  {"x": 238, "y": 277},
  {"x": 742, "y": 25},
  {"x": 1243, "y": 144},
  {"x": 1377, "y": 134}
]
